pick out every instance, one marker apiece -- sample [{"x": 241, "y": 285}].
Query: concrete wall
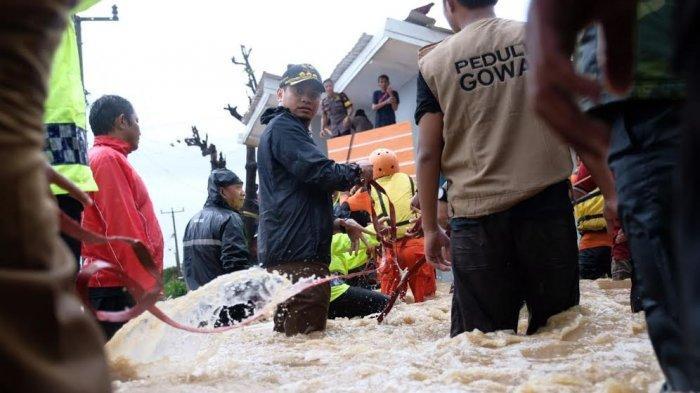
[
  {"x": 407, "y": 107},
  {"x": 315, "y": 129}
]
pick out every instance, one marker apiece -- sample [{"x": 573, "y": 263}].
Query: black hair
[
  {"x": 383, "y": 76},
  {"x": 477, "y": 3},
  {"x": 106, "y": 110},
  {"x": 360, "y": 112},
  {"x": 328, "y": 80}
]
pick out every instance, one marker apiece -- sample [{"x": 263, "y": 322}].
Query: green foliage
[{"x": 174, "y": 286}]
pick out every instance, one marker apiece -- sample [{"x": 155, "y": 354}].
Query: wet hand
[
  {"x": 436, "y": 244},
  {"x": 367, "y": 171},
  {"x": 621, "y": 237},
  {"x": 356, "y": 234},
  {"x": 612, "y": 221},
  {"x": 415, "y": 203},
  {"x": 553, "y": 85}
]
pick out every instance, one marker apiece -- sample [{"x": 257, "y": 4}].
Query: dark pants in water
[
  {"x": 357, "y": 302},
  {"x": 688, "y": 60},
  {"x": 307, "y": 311},
  {"x": 110, "y": 299},
  {"x": 526, "y": 254},
  {"x": 73, "y": 209},
  {"x": 594, "y": 262},
  {"x": 644, "y": 156}
]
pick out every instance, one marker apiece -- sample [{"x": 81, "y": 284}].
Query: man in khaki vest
[
  {"x": 513, "y": 238},
  {"x": 47, "y": 342}
]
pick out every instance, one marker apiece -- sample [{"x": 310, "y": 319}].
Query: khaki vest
[{"x": 497, "y": 152}]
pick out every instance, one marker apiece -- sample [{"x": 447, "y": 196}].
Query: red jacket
[{"x": 121, "y": 207}]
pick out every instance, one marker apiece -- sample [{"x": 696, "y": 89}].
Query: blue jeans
[{"x": 644, "y": 156}]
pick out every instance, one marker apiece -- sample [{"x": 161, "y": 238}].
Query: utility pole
[
  {"x": 177, "y": 246},
  {"x": 79, "y": 33}
]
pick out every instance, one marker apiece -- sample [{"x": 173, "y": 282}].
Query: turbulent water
[{"x": 598, "y": 346}]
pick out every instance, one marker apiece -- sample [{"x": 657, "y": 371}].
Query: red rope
[
  {"x": 388, "y": 241},
  {"x": 145, "y": 299}
]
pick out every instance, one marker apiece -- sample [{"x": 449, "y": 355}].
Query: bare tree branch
[{"x": 216, "y": 159}]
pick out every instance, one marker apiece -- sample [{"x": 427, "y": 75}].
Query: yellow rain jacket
[
  {"x": 589, "y": 212},
  {"x": 65, "y": 108},
  {"x": 400, "y": 189}
]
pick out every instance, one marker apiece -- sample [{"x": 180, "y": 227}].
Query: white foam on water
[{"x": 598, "y": 346}]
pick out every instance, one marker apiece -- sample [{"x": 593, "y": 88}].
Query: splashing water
[
  {"x": 257, "y": 289},
  {"x": 598, "y": 346}
]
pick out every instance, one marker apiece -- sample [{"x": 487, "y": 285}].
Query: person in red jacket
[{"x": 121, "y": 207}]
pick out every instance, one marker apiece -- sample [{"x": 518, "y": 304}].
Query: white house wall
[{"x": 407, "y": 107}]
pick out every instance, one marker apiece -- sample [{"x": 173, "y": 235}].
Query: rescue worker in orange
[{"x": 400, "y": 190}]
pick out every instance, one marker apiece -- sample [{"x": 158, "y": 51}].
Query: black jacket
[
  {"x": 214, "y": 241},
  {"x": 296, "y": 183}
]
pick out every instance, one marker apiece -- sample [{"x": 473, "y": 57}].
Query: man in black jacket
[
  {"x": 296, "y": 210},
  {"x": 215, "y": 242}
]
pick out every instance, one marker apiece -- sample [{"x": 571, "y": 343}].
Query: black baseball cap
[{"x": 297, "y": 73}]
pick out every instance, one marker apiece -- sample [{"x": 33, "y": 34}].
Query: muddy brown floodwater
[{"x": 598, "y": 346}]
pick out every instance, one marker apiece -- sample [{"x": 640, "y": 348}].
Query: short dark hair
[
  {"x": 328, "y": 80},
  {"x": 106, "y": 110},
  {"x": 477, "y": 3},
  {"x": 383, "y": 76}
]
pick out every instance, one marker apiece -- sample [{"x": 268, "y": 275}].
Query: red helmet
[{"x": 384, "y": 163}]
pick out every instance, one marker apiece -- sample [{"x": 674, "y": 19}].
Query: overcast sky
[{"x": 172, "y": 60}]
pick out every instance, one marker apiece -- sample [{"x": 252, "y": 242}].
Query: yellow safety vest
[
  {"x": 588, "y": 211},
  {"x": 400, "y": 189},
  {"x": 64, "y": 117}
]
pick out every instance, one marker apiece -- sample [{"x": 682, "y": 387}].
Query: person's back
[
  {"x": 214, "y": 242},
  {"x": 65, "y": 127},
  {"x": 645, "y": 145},
  {"x": 513, "y": 238},
  {"x": 478, "y": 75},
  {"x": 399, "y": 190},
  {"x": 595, "y": 244}
]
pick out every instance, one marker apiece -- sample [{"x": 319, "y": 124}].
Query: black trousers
[
  {"x": 644, "y": 156},
  {"x": 594, "y": 263},
  {"x": 357, "y": 302},
  {"x": 524, "y": 255},
  {"x": 110, "y": 299},
  {"x": 74, "y": 210},
  {"x": 688, "y": 223}
]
